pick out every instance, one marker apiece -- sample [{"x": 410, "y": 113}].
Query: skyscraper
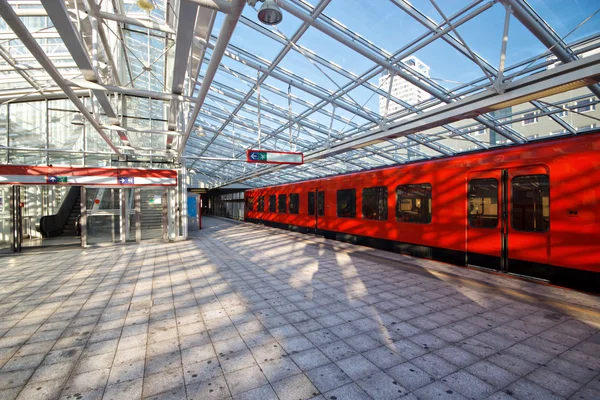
[
  {"x": 401, "y": 88},
  {"x": 405, "y": 91}
]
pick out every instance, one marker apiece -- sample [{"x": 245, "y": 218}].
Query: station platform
[{"x": 249, "y": 312}]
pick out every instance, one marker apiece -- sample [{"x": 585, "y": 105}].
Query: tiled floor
[{"x": 250, "y": 312}]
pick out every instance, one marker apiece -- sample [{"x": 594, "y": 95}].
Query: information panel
[{"x": 274, "y": 157}]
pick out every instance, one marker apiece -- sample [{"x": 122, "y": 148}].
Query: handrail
[{"x": 53, "y": 225}]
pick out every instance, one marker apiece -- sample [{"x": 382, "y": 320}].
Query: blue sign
[
  {"x": 192, "y": 202},
  {"x": 57, "y": 179},
  {"x": 257, "y": 156},
  {"x": 126, "y": 180}
]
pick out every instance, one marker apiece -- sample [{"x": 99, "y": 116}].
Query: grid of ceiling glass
[{"x": 333, "y": 74}]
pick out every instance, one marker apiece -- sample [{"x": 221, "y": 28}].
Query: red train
[{"x": 532, "y": 210}]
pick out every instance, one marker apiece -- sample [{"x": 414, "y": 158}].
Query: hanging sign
[
  {"x": 86, "y": 176},
  {"x": 274, "y": 157},
  {"x": 57, "y": 179}
]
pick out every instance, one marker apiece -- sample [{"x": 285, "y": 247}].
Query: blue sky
[{"x": 389, "y": 28}]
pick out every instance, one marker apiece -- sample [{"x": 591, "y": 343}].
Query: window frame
[
  {"x": 294, "y": 200},
  {"x": 320, "y": 211},
  {"x": 533, "y": 118},
  {"x": 512, "y": 203},
  {"x": 352, "y": 203},
  {"x": 260, "y": 206},
  {"x": 279, "y": 198},
  {"x": 430, "y": 198},
  {"x": 312, "y": 211},
  {"x": 586, "y": 107},
  {"x": 469, "y": 220},
  {"x": 384, "y": 197}
]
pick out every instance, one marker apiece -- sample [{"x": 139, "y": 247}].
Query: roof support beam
[
  {"x": 137, "y": 22},
  {"x": 6, "y": 11},
  {"x": 94, "y": 9},
  {"x": 9, "y": 60},
  {"x": 218, "y": 5},
  {"x": 544, "y": 33},
  {"x": 562, "y": 78},
  {"x": 57, "y": 11},
  {"x": 224, "y": 36},
  {"x": 185, "y": 33},
  {"x": 297, "y": 35},
  {"x": 421, "y": 82},
  {"x": 448, "y": 38}
]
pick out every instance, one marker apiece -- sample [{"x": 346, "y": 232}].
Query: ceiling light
[
  {"x": 146, "y": 5},
  {"x": 200, "y": 131},
  {"x": 270, "y": 13},
  {"x": 77, "y": 120}
]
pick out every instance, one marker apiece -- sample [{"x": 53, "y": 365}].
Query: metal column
[
  {"x": 84, "y": 218},
  {"x": 138, "y": 214}
]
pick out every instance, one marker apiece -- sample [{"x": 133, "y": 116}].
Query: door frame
[{"x": 505, "y": 198}]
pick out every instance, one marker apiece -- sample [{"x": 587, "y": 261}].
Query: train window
[
  {"x": 294, "y": 203},
  {"x": 413, "y": 203},
  {"x": 311, "y": 203},
  {"x": 272, "y": 203},
  {"x": 321, "y": 203},
  {"x": 261, "y": 204},
  {"x": 531, "y": 203},
  {"x": 250, "y": 202},
  {"x": 282, "y": 206},
  {"x": 375, "y": 203},
  {"x": 346, "y": 203},
  {"x": 483, "y": 203}
]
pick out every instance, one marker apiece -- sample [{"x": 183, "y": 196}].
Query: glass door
[
  {"x": 103, "y": 222},
  {"x": 6, "y": 219},
  {"x": 153, "y": 218}
]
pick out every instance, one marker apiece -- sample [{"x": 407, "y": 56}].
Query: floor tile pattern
[{"x": 247, "y": 312}]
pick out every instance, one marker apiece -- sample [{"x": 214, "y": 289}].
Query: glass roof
[{"x": 352, "y": 84}]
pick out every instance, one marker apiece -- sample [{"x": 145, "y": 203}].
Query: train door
[
  {"x": 486, "y": 233},
  {"x": 316, "y": 206},
  {"x": 528, "y": 222},
  {"x": 508, "y": 220}
]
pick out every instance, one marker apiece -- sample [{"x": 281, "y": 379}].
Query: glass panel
[
  {"x": 483, "y": 203},
  {"x": 531, "y": 203},
  {"x": 321, "y": 203},
  {"x": 27, "y": 125},
  {"x": 311, "y": 203},
  {"x": 152, "y": 213},
  {"x": 272, "y": 203},
  {"x": 295, "y": 203},
  {"x": 282, "y": 203},
  {"x": 104, "y": 215},
  {"x": 5, "y": 219},
  {"x": 414, "y": 203},
  {"x": 261, "y": 204},
  {"x": 346, "y": 203},
  {"x": 375, "y": 203},
  {"x": 250, "y": 203}
]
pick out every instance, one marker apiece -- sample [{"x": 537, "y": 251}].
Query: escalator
[{"x": 66, "y": 221}]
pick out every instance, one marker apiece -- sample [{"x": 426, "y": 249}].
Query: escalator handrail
[{"x": 53, "y": 225}]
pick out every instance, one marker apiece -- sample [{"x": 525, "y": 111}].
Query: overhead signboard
[
  {"x": 274, "y": 157},
  {"x": 86, "y": 176}
]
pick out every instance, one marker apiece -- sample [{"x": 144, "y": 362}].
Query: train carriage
[{"x": 531, "y": 210}]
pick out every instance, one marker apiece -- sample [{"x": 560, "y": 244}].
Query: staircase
[
  {"x": 151, "y": 211},
  {"x": 70, "y": 228}
]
